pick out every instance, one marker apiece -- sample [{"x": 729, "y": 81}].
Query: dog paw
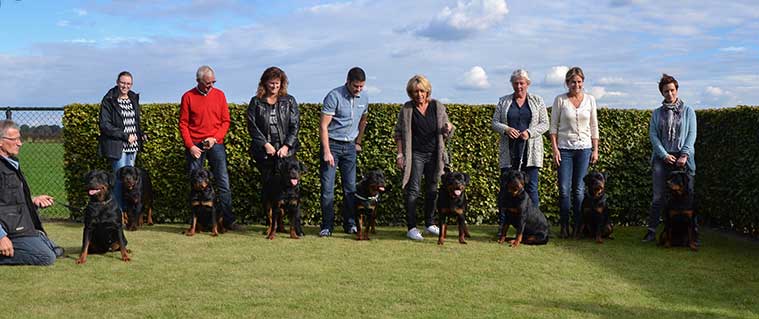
[
  {"x": 189, "y": 234},
  {"x": 81, "y": 261}
]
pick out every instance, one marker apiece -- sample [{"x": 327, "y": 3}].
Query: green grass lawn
[
  {"x": 244, "y": 275},
  {"x": 42, "y": 164}
]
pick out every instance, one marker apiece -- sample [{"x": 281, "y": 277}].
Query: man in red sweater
[{"x": 203, "y": 123}]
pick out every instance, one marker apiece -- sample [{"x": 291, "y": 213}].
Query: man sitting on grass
[{"x": 22, "y": 239}]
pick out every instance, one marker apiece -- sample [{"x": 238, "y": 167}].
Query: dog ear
[
  {"x": 466, "y": 178},
  {"x": 523, "y": 174},
  {"x": 210, "y": 174},
  {"x": 606, "y": 176},
  {"x": 111, "y": 180}
]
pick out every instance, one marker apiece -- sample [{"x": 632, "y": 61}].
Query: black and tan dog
[
  {"x": 679, "y": 213},
  {"x": 103, "y": 228},
  {"x": 286, "y": 197},
  {"x": 595, "y": 221},
  {"x": 367, "y": 195},
  {"x": 202, "y": 205},
  {"x": 452, "y": 201},
  {"x": 516, "y": 206},
  {"x": 137, "y": 196}
]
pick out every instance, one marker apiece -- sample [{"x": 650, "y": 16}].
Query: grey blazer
[{"x": 538, "y": 126}]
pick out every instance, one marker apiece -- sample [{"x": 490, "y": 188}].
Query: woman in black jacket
[
  {"x": 120, "y": 127},
  {"x": 273, "y": 123}
]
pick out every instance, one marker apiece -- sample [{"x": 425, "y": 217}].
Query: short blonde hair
[{"x": 418, "y": 81}]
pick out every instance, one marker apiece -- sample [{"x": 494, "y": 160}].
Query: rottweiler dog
[
  {"x": 286, "y": 197},
  {"x": 595, "y": 221},
  {"x": 679, "y": 213},
  {"x": 452, "y": 201},
  {"x": 202, "y": 204},
  {"x": 367, "y": 195},
  {"x": 517, "y": 208},
  {"x": 103, "y": 228},
  {"x": 137, "y": 196}
]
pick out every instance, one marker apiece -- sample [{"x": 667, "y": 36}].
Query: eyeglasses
[
  {"x": 14, "y": 139},
  {"x": 125, "y": 83}
]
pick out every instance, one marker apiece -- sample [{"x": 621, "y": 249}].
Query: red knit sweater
[{"x": 202, "y": 116}]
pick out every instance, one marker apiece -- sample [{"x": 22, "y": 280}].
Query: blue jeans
[
  {"x": 660, "y": 172},
  {"x": 31, "y": 250},
  {"x": 217, "y": 159},
  {"x": 422, "y": 164},
  {"x": 531, "y": 187},
  {"x": 127, "y": 159},
  {"x": 344, "y": 154},
  {"x": 572, "y": 169}
]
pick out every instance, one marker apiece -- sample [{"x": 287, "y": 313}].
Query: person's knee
[{"x": 45, "y": 258}]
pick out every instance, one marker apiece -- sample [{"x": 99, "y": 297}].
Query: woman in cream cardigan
[{"x": 574, "y": 139}]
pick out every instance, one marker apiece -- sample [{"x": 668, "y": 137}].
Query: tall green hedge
[{"x": 725, "y": 154}]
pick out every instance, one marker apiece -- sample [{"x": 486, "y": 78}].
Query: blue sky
[{"x": 61, "y": 52}]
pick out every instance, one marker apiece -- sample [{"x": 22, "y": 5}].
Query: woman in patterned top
[{"x": 120, "y": 127}]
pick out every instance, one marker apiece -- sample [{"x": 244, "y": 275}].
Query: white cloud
[
  {"x": 611, "y": 81},
  {"x": 465, "y": 19},
  {"x": 714, "y": 91},
  {"x": 372, "y": 90},
  {"x": 82, "y": 41},
  {"x": 733, "y": 49},
  {"x": 598, "y": 92},
  {"x": 556, "y": 75},
  {"x": 80, "y": 12},
  {"x": 337, "y": 7},
  {"x": 475, "y": 79},
  {"x": 63, "y": 23}
]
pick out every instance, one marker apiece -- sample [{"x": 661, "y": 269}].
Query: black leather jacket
[
  {"x": 18, "y": 214},
  {"x": 288, "y": 124},
  {"x": 112, "y": 137}
]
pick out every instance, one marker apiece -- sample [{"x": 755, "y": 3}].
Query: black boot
[{"x": 564, "y": 231}]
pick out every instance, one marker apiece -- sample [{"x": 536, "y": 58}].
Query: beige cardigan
[{"x": 403, "y": 135}]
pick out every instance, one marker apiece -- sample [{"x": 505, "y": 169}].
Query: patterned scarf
[{"x": 669, "y": 124}]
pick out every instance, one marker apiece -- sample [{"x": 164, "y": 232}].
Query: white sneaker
[
  {"x": 432, "y": 230},
  {"x": 414, "y": 234}
]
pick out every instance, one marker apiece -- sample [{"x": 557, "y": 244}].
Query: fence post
[{"x": 8, "y": 113}]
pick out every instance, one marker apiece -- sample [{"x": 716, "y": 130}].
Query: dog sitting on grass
[
  {"x": 202, "y": 204},
  {"x": 286, "y": 199},
  {"x": 452, "y": 202},
  {"x": 595, "y": 221},
  {"x": 367, "y": 195},
  {"x": 679, "y": 213},
  {"x": 103, "y": 228},
  {"x": 137, "y": 196},
  {"x": 530, "y": 223}
]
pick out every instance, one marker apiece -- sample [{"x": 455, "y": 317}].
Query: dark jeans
[
  {"x": 660, "y": 173},
  {"x": 572, "y": 169},
  {"x": 344, "y": 154},
  {"x": 422, "y": 164},
  {"x": 217, "y": 159},
  {"x": 31, "y": 250},
  {"x": 531, "y": 187}
]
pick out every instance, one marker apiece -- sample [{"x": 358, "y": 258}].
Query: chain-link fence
[{"x": 41, "y": 155}]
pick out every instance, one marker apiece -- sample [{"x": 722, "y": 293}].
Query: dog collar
[{"x": 373, "y": 198}]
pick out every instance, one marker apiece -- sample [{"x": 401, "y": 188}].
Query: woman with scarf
[{"x": 673, "y": 134}]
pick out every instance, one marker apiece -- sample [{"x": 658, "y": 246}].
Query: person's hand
[
  {"x": 283, "y": 151},
  {"x": 269, "y": 149},
  {"x": 132, "y": 138},
  {"x": 556, "y": 157},
  {"x": 670, "y": 159},
  {"x": 512, "y": 133},
  {"x": 195, "y": 151},
  {"x": 211, "y": 142},
  {"x": 329, "y": 159},
  {"x": 358, "y": 148},
  {"x": 524, "y": 135},
  {"x": 594, "y": 157},
  {"x": 681, "y": 161},
  {"x": 43, "y": 201},
  {"x": 6, "y": 247},
  {"x": 400, "y": 161}
]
